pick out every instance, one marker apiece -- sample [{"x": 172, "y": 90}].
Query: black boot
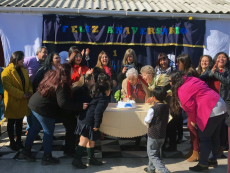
[
  {"x": 14, "y": 146},
  {"x": 91, "y": 160},
  {"x": 48, "y": 159},
  {"x": 78, "y": 155},
  {"x": 78, "y": 163},
  {"x": 213, "y": 164},
  {"x": 199, "y": 168},
  {"x": 26, "y": 154},
  {"x": 19, "y": 144}
]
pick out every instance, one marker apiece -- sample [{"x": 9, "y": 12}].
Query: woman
[
  {"x": 104, "y": 66},
  {"x": 51, "y": 62},
  {"x": 135, "y": 87},
  {"x": 154, "y": 80},
  {"x": 48, "y": 103},
  {"x": 192, "y": 95},
  {"x": 129, "y": 61},
  {"x": 65, "y": 56},
  {"x": 205, "y": 64},
  {"x": 17, "y": 91},
  {"x": 163, "y": 65},
  {"x": 218, "y": 79},
  {"x": 80, "y": 94},
  {"x": 78, "y": 67},
  {"x": 184, "y": 64}
]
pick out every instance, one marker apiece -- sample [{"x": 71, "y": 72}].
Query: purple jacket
[
  {"x": 197, "y": 100},
  {"x": 31, "y": 65}
]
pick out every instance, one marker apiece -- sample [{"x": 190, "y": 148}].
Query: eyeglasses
[{"x": 170, "y": 80}]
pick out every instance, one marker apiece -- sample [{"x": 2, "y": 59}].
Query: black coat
[
  {"x": 38, "y": 77},
  {"x": 54, "y": 107},
  {"x": 121, "y": 76},
  {"x": 224, "y": 79},
  {"x": 94, "y": 113}
]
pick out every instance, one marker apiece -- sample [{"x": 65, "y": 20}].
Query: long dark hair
[
  {"x": 177, "y": 80},
  {"x": 16, "y": 56},
  {"x": 54, "y": 78},
  {"x": 72, "y": 62},
  {"x": 199, "y": 70},
  {"x": 48, "y": 61},
  {"x": 162, "y": 56},
  {"x": 189, "y": 69},
  {"x": 99, "y": 87},
  {"x": 227, "y": 66}
]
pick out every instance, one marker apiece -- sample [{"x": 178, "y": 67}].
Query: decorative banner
[{"x": 123, "y": 31}]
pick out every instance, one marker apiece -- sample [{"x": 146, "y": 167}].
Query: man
[{"x": 32, "y": 65}]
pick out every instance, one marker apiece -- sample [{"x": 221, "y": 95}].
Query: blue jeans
[
  {"x": 209, "y": 139},
  {"x": 153, "y": 149},
  {"x": 39, "y": 122},
  {"x": 29, "y": 121}
]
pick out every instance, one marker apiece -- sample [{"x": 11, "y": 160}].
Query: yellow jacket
[{"x": 15, "y": 106}]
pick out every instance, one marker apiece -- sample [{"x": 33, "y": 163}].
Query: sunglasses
[{"x": 170, "y": 80}]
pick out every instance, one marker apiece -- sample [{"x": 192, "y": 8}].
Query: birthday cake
[{"x": 127, "y": 104}]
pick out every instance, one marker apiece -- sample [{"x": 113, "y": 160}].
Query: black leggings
[{"x": 10, "y": 129}]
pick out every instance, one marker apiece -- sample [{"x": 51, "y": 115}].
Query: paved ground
[
  {"x": 112, "y": 165},
  {"x": 119, "y": 156}
]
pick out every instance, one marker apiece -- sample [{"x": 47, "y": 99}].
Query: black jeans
[
  {"x": 70, "y": 125},
  {"x": 209, "y": 139},
  {"x": 171, "y": 131},
  {"x": 10, "y": 129}
]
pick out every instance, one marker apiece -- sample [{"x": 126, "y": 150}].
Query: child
[
  {"x": 157, "y": 119},
  {"x": 89, "y": 122}
]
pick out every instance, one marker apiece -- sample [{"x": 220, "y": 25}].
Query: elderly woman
[
  {"x": 154, "y": 80},
  {"x": 135, "y": 87}
]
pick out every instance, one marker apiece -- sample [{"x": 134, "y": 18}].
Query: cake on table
[{"x": 126, "y": 103}]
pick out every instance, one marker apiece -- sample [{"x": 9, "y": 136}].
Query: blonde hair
[
  {"x": 132, "y": 72},
  {"x": 148, "y": 69},
  {"x": 129, "y": 51},
  {"x": 99, "y": 64}
]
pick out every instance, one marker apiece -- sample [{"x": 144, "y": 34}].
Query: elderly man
[
  {"x": 135, "y": 87},
  {"x": 32, "y": 64}
]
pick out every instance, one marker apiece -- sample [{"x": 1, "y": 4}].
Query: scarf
[
  {"x": 158, "y": 80},
  {"x": 108, "y": 71},
  {"x": 139, "y": 81}
]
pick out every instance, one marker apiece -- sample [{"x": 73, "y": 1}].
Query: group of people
[{"x": 45, "y": 90}]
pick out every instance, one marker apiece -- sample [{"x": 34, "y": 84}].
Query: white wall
[
  {"x": 20, "y": 32},
  {"x": 217, "y": 37}
]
